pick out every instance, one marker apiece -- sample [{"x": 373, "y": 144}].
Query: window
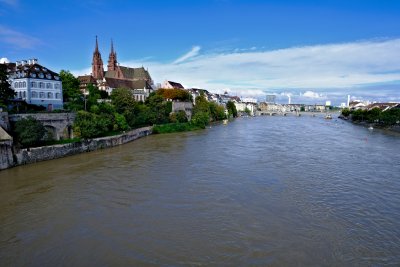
[
  {"x": 20, "y": 84},
  {"x": 16, "y": 85},
  {"x": 56, "y": 77},
  {"x": 49, "y": 86},
  {"x": 41, "y": 85},
  {"x": 41, "y": 75},
  {"x": 49, "y": 95},
  {"x": 24, "y": 94},
  {"x": 34, "y": 94},
  {"x": 33, "y": 84},
  {"x": 24, "y": 84},
  {"x": 48, "y": 76},
  {"x": 19, "y": 94},
  {"x": 33, "y": 75},
  {"x": 56, "y": 86},
  {"x": 41, "y": 94},
  {"x": 58, "y": 95}
]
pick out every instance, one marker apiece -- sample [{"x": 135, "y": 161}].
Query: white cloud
[
  {"x": 192, "y": 53},
  {"x": 311, "y": 94},
  {"x": 330, "y": 67},
  {"x": 18, "y": 39}
]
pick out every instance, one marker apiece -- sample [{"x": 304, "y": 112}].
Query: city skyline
[{"x": 310, "y": 50}]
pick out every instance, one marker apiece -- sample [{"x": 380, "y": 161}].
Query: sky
[{"x": 311, "y": 50}]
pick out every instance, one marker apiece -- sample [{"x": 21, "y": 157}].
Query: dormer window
[
  {"x": 48, "y": 76},
  {"x": 56, "y": 77},
  {"x": 36, "y": 68},
  {"x": 41, "y": 75},
  {"x": 44, "y": 70},
  {"x": 33, "y": 75}
]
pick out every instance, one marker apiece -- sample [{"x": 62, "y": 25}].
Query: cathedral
[{"x": 138, "y": 80}]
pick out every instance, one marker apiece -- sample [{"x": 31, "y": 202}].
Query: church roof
[
  {"x": 130, "y": 73},
  {"x": 87, "y": 79},
  {"x": 120, "y": 83}
]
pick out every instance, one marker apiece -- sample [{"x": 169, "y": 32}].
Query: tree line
[
  {"x": 377, "y": 116},
  {"x": 100, "y": 114}
]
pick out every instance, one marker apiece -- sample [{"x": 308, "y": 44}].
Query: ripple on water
[{"x": 259, "y": 191}]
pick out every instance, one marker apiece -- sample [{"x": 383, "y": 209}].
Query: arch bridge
[{"x": 58, "y": 125}]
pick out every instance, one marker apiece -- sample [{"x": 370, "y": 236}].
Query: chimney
[
  {"x": 348, "y": 100},
  {"x": 17, "y": 63}
]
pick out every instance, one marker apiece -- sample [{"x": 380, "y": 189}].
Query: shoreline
[{"x": 36, "y": 154}]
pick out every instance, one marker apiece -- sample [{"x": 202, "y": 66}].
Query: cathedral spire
[
  {"x": 97, "y": 63},
  {"x": 97, "y": 46},
  {"x": 112, "y": 46},
  {"x": 112, "y": 59}
]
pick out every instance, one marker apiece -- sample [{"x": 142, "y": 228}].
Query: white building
[{"x": 35, "y": 84}]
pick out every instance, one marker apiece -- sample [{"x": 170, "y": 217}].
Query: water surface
[{"x": 259, "y": 191}]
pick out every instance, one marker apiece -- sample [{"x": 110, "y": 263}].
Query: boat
[
  {"x": 328, "y": 117},
  {"x": 370, "y": 128},
  {"x": 225, "y": 122}
]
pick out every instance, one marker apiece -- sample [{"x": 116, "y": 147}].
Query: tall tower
[
  {"x": 97, "y": 64},
  {"x": 112, "y": 59}
]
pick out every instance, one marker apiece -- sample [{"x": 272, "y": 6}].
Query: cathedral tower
[
  {"x": 112, "y": 59},
  {"x": 113, "y": 64},
  {"x": 97, "y": 64}
]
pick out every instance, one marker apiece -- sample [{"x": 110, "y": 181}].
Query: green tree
[
  {"x": 374, "y": 114},
  {"x": 230, "y": 106},
  {"x": 201, "y": 105},
  {"x": 123, "y": 100},
  {"x": 70, "y": 84},
  {"x": 29, "y": 131},
  {"x": 159, "y": 109},
  {"x": 200, "y": 119},
  {"x": 6, "y": 92},
  {"x": 93, "y": 96},
  {"x": 346, "y": 112},
  {"x": 217, "y": 112},
  {"x": 181, "y": 116},
  {"x": 90, "y": 125}
]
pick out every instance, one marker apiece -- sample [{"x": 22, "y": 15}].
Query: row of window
[
  {"x": 40, "y": 95},
  {"x": 37, "y": 85}
]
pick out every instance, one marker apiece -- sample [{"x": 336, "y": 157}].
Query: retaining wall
[{"x": 32, "y": 155}]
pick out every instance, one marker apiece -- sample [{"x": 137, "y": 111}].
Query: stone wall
[
  {"x": 6, "y": 155},
  {"x": 4, "y": 122},
  {"x": 185, "y": 106},
  {"x": 32, "y": 155}
]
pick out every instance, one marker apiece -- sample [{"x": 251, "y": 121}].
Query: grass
[{"x": 175, "y": 127}]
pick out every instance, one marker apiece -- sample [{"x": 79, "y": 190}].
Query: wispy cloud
[
  {"x": 192, "y": 53},
  {"x": 313, "y": 71},
  {"x": 18, "y": 39},
  {"x": 12, "y": 3}
]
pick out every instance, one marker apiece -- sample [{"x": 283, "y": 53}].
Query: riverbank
[
  {"x": 37, "y": 154},
  {"x": 393, "y": 128}
]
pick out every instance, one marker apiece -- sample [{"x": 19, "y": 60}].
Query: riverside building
[{"x": 35, "y": 84}]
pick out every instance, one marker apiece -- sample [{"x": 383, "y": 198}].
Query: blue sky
[{"x": 312, "y": 50}]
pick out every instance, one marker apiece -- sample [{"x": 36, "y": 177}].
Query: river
[{"x": 259, "y": 191}]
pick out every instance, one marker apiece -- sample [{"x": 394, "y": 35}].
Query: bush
[
  {"x": 200, "y": 119},
  {"x": 174, "y": 127},
  {"x": 29, "y": 131}
]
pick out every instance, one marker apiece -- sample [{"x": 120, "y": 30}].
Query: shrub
[{"x": 29, "y": 131}]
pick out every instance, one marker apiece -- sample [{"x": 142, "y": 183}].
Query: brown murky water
[{"x": 259, "y": 191}]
